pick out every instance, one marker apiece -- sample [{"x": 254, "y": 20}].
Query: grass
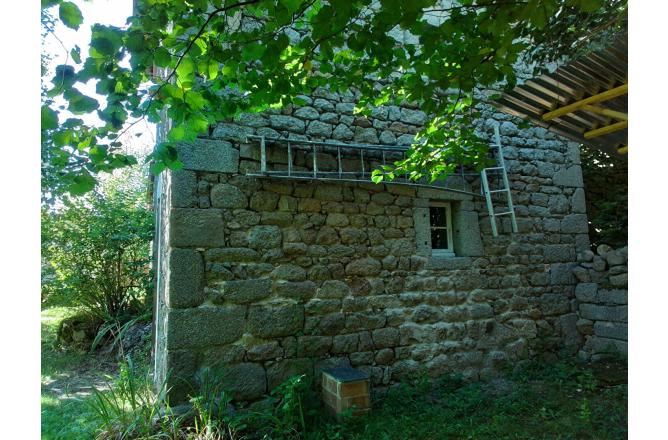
[
  {"x": 565, "y": 400},
  {"x": 67, "y": 377},
  {"x": 539, "y": 401}
]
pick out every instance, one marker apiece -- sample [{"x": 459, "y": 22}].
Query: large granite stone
[
  {"x": 264, "y": 237},
  {"x": 184, "y": 189},
  {"x": 196, "y": 227},
  {"x": 208, "y": 155},
  {"x": 204, "y": 326},
  {"x": 186, "y": 278},
  {"x": 245, "y": 381},
  {"x": 270, "y": 321},
  {"x": 281, "y": 371},
  {"x": 244, "y": 291}
]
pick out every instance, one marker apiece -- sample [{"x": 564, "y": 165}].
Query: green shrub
[
  {"x": 606, "y": 186},
  {"x": 96, "y": 250}
]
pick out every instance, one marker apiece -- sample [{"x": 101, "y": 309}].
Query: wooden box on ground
[{"x": 344, "y": 388}]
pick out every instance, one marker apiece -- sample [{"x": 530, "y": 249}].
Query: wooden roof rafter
[
  {"x": 587, "y": 104},
  {"x": 585, "y": 100}
]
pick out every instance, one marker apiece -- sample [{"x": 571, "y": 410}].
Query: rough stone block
[
  {"x": 307, "y": 113},
  {"x": 385, "y": 337},
  {"x": 196, "y": 227},
  {"x": 264, "y": 237},
  {"x": 184, "y": 189},
  {"x": 207, "y": 155},
  {"x": 364, "y": 267},
  {"x": 332, "y": 193},
  {"x": 319, "y": 129},
  {"x": 345, "y": 343},
  {"x": 414, "y": 117},
  {"x": 620, "y": 280},
  {"x": 263, "y": 352},
  {"x": 449, "y": 263},
  {"x": 224, "y": 255},
  {"x": 279, "y": 372},
  {"x": 556, "y": 253},
  {"x": 186, "y": 279},
  {"x": 245, "y": 381},
  {"x": 244, "y": 291},
  {"x": 224, "y": 195},
  {"x": 599, "y": 346},
  {"x": 604, "y": 313},
  {"x": 204, "y": 326},
  {"x": 312, "y": 346},
  {"x": 282, "y": 122},
  {"x": 466, "y": 240},
  {"x": 264, "y": 201},
  {"x": 562, "y": 273},
  {"x": 233, "y": 132},
  {"x": 574, "y": 223},
  {"x": 330, "y": 325},
  {"x": 570, "y": 176},
  {"x": 578, "y": 204},
  {"x": 586, "y": 292},
  {"x": 289, "y": 272},
  {"x": 302, "y": 290},
  {"x": 333, "y": 289},
  {"x": 612, "y": 330},
  {"x": 615, "y": 258},
  {"x": 181, "y": 366},
  {"x": 270, "y": 321},
  {"x": 613, "y": 296}
]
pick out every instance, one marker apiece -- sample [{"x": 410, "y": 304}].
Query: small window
[{"x": 440, "y": 225}]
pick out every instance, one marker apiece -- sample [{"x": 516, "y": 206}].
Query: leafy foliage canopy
[{"x": 219, "y": 58}]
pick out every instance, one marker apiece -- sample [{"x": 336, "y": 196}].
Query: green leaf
[
  {"x": 590, "y": 5},
  {"x": 81, "y": 184},
  {"x": 63, "y": 79},
  {"x": 213, "y": 69},
  {"x": 177, "y": 133},
  {"x": 162, "y": 57},
  {"x": 106, "y": 40},
  {"x": 291, "y": 5},
  {"x": 76, "y": 54},
  {"x": 252, "y": 52},
  {"x": 157, "y": 167},
  {"x": 186, "y": 71},
  {"x": 49, "y": 118},
  {"x": 80, "y": 103},
  {"x": 70, "y": 15},
  {"x": 195, "y": 100}
]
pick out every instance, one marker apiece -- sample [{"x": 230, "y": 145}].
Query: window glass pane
[
  {"x": 437, "y": 216},
  {"x": 439, "y": 239}
]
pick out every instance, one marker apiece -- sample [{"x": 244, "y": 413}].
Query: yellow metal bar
[
  {"x": 600, "y": 97},
  {"x": 606, "y": 130},
  {"x": 623, "y": 149},
  {"x": 607, "y": 112}
]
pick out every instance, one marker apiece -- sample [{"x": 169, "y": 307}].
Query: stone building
[{"x": 260, "y": 278}]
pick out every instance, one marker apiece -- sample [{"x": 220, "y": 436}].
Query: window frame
[{"x": 450, "y": 251}]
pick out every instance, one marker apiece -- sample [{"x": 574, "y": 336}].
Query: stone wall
[
  {"x": 602, "y": 293},
  {"x": 269, "y": 278}
]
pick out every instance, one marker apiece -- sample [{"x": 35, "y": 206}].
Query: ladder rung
[
  {"x": 503, "y": 213},
  {"x": 493, "y": 168},
  {"x": 499, "y": 190}
]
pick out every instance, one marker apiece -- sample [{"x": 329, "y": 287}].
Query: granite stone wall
[
  {"x": 602, "y": 293},
  {"x": 267, "y": 278}
]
